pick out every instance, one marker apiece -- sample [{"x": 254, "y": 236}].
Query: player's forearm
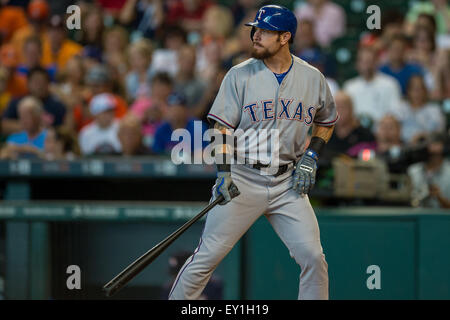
[
  {"x": 320, "y": 137},
  {"x": 223, "y": 151},
  {"x": 322, "y": 132}
]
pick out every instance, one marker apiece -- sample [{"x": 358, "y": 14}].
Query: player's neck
[{"x": 280, "y": 62}]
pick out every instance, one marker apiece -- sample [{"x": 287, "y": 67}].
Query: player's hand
[
  {"x": 305, "y": 172},
  {"x": 222, "y": 186}
]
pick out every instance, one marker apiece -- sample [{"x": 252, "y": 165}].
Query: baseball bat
[{"x": 119, "y": 281}]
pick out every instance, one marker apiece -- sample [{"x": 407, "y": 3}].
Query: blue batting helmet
[{"x": 275, "y": 18}]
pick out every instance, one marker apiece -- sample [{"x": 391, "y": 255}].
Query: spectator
[
  {"x": 427, "y": 21},
  {"x": 150, "y": 110},
  {"x": 444, "y": 78},
  {"x": 139, "y": 57},
  {"x": 329, "y": 19},
  {"x": 32, "y": 56},
  {"x": 60, "y": 144},
  {"x": 374, "y": 94},
  {"x": 186, "y": 80},
  {"x": 84, "y": 5},
  {"x": 91, "y": 57},
  {"x": 29, "y": 141},
  {"x": 16, "y": 83},
  {"x": 165, "y": 58},
  {"x": 307, "y": 49},
  {"x": 349, "y": 136},
  {"x": 92, "y": 27},
  {"x": 130, "y": 137},
  {"x": 161, "y": 87},
  {"x": 150, "y": 118},
  {"x": 38, "y": 86},
  {"x": 396, "y": 66},
  {"x": 424, "y": 54},
  {"x": 115, "y": 42},
  {"x": 392, "y": 22},
  {"x": 5, "y": 96},
  {"x": 100, "y": 136},
  {"x": 12, "y": 18},
  {"x": 201, "y": 110},
  {"x": 441, "y": 90},
  {"x": 178, "y": 118},
  {"x": 390, "y": 146},
  {"x": 305, "y": 44},
  {"x": 209, "y": 61},
  {"x": 60, "y": 6},
  {"x": 439, "y": 9},
  {"x": 90, "y": 36},
  {"x": 419, "y": 116},
  {"x": 143, "y": 16},
  {"x": 431, "y": 179},
  {"x": 98, "y": 80},
  {"x": 70, "y": 88},
  {"x": 187, "y": 13},
  {"x": 111, "y": 8},
  {"x": 241, "y": 47},
  {"x": 37, "y": 13},
  {"x": 218, "y": 25},
  {"x": 57, "y": 49},
  {"x": 388, "y": 135},
  {"x": 242, "y": 9}
]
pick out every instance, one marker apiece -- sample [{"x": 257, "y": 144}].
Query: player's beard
[{"x": 265, "y": 53}]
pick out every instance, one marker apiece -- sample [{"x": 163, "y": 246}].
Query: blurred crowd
[{"x": 136, "y": 70}]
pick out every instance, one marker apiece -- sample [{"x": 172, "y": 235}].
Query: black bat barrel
[{"x": 137, "y": 266}]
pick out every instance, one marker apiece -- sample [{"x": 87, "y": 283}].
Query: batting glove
[
  {"x": 222, "y": 186},
  {"x": 305, "y": 172}
]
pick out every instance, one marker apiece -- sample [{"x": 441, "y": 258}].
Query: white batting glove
[{"x": 222, "y": 186}]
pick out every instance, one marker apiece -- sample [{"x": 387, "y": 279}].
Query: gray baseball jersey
[{"x": 251, "y": 97}]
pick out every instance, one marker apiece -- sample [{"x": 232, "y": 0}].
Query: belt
[{"x": 281, "y": 169}]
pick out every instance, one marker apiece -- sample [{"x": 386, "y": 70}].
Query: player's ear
[{"x": 285, "y": 38}]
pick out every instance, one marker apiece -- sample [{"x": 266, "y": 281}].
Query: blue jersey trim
[{"x": 280, "y": 76}]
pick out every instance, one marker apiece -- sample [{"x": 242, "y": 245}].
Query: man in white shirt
[
  {"x": 374, "y": 94},
  {"x": 431, "y": 178},
  {"x": 100, "y": 136}
]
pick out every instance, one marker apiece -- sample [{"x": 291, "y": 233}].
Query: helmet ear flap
[{"x": 252, "y": 33}]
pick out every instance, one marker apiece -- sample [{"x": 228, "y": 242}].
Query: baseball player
[{"x": 272, "y": 90}]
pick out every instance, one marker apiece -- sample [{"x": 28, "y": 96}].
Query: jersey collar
[{"x": 290, "y": 67}]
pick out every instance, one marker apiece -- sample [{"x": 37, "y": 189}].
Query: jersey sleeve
[
  {"x": 226, "y": 108},
  {"x": 326, "y": 114}
]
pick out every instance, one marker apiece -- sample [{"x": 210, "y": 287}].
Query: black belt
[{"x": 281, "y": 169}]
